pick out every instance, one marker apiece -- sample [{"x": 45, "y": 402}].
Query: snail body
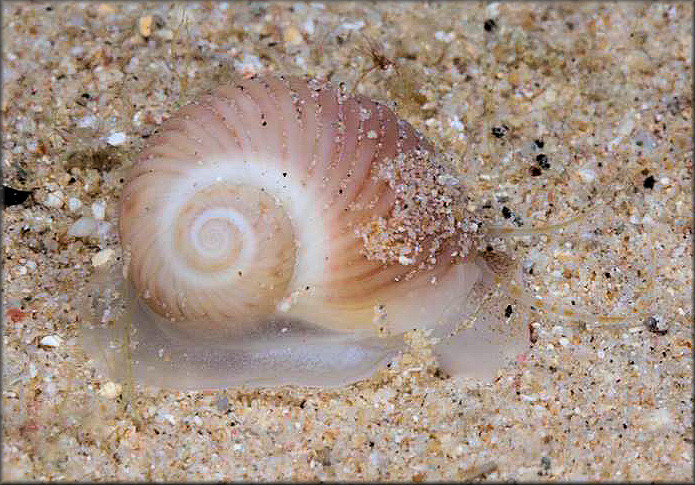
[{"x": 276, "y": 232}]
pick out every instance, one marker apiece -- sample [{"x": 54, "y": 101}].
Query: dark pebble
[{"x": 12, "y": 196}]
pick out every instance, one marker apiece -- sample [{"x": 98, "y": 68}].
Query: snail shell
[{"x": 277, "y": 232}]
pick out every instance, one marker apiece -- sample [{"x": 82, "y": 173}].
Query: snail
[{"x": 278, "y": 232}]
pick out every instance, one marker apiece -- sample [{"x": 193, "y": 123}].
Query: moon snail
[{"x": 277, "y": 232}]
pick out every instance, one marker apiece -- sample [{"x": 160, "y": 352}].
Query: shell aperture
[{"x": 277, "y": 232}]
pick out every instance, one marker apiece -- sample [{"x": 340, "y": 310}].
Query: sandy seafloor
[{"x": 606, "y": 88}]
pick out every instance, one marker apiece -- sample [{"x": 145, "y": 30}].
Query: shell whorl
[{"x": 280, "y": 195}]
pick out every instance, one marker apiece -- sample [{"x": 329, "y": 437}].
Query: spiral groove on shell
[{"x": 283, "y": 227}]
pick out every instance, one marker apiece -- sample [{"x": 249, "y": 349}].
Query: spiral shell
[{"x": 279, "y": 232}]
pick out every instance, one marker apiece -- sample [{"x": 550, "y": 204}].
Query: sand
[{"x": 553, "y": 110}]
